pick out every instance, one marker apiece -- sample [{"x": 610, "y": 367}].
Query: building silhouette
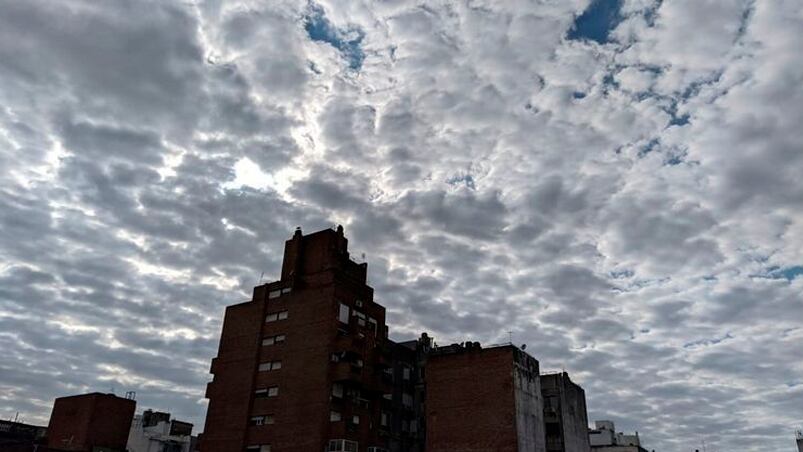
[{"x": 307, "y": 365}]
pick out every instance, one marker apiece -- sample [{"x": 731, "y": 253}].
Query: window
[
  {"x": 287, "y": 290},
  {"x": 355, "y": 420},
  {"x": 361, "y": 318},
  {"x": 334, "y": 416},
  {"x": 271, "y": 391},
  {"x": 273, "y": 340},
  {"x": 341, "y": 445},
  {"x": 274, "y": 294},
  {"x": 377, "y": 449},
  {"x": 387, "y": 396},
  {"x": 406, "y": 373},
  {"x": 274, "y": 316},
  {"x": 258, "y": 448},
  {"x": 270, "y": 365},
  {"x": 337, "y": 390},
  {"x": 343, "y": 315},
  {"x": 407, "y": 399},
  {"x": 357, "y": 363},
  {"x": 269, "y": 420},
  {"x": 383, "y": 420},
  {"x": 257, "y": 420},
  {"x": 373, "y": 324}
]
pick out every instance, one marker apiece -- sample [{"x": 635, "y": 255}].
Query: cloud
[{"x": 618, "y": 189}]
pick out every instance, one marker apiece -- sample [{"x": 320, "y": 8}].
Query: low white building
[
  {"x": 604, "y": 438},
  {"x": 154, "y": 431}
]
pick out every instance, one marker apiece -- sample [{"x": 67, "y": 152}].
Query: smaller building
[
  {"x": 565, "y": 414},
  {"x": 483, "y": 400},
  {"x": 90, "y": 423},
  {"x": 154, "y": 431},
  {"x": 604, "y": 438},
  {"x": 18, "y": 436}
]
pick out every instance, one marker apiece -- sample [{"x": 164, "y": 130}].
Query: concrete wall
[
  {"x": 529, "y": 404},
  {"x": 565, "y": 414}
]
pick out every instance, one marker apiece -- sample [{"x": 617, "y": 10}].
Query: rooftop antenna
[
  {"x": 510, "y": 337},
  {"x": 260, "y": 278}
]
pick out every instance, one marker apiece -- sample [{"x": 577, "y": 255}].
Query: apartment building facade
[
  {"x": 307, "y": 365},
  {"x": 302, "y": 365}
]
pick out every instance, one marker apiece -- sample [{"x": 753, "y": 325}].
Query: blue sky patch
[
  {"x": 788, "y": 273},
  {"x": 348, "y": 41},
  {"x": 597, "y": 21},
  {"x": 467, "y": 179}
]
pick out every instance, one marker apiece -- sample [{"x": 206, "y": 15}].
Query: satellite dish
[{"x": 523, "y": 346}]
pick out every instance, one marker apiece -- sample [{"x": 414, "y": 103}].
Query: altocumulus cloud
[{"x": 618, "y": 183}]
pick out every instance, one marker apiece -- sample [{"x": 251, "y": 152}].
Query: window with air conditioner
[
  {"x": 337, "y": 390},
  {"x": 273, "y": 391},
  {"x": 257, "y": 420},
  {"x": 334, "y": 416}
]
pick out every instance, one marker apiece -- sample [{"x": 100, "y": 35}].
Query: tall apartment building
[
  {"x": 302, "y": 366},
  {"x": 306, "y": 365},
  {"x": 483, "y": 400},
  {"x": 565, "y": 415}
]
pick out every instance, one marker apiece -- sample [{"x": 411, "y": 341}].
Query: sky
[{"x": 616, "y": 183}]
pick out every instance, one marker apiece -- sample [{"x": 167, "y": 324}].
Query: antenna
[
  {"x": 510, "y": 336},
  {"x": 260, "y": 278}
]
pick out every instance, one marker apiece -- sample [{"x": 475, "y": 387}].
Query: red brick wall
[
  {"x": 320, "y": 277},
  {"x": 470, "y": 403},
  {"x": 79, "y": 423}
]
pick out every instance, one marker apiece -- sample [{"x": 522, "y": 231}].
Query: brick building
[
  {"x": 483, "y": 400},
  {"x": 306, "y": 365},
  {"x": 90, "y": 422},
  {"x": 300, "y": 366},
  {"x": 565, "y": 415}
]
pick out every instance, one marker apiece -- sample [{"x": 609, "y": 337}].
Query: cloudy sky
[{"x": 618, "y": 184}]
